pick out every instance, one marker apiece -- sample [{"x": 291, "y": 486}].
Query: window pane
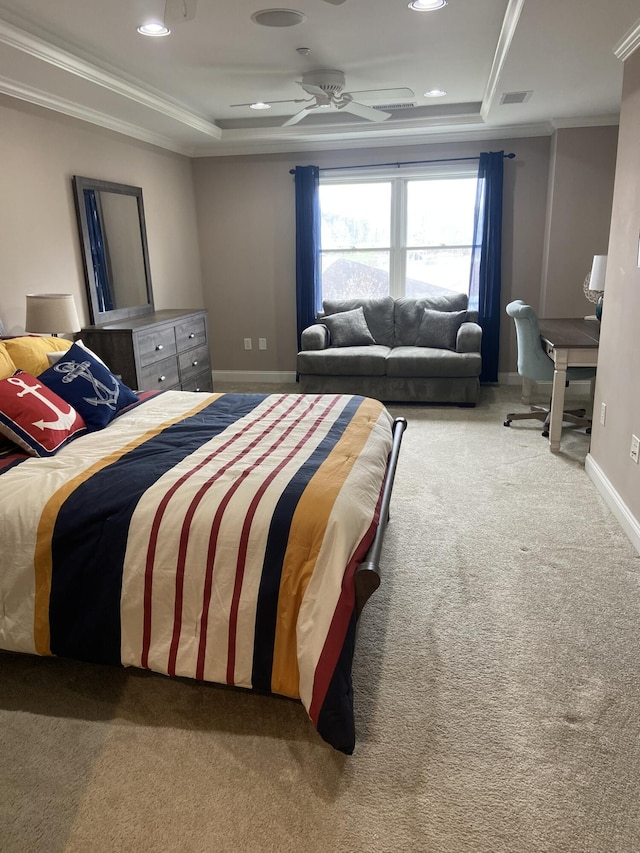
[
  {"x": 440, "y": 212},
  {"x": 432, "y": 271},
  {"x": 351, "y": 275},
  {"x": 355, "y": 216}
]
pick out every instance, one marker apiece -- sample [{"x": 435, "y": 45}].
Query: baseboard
[
  {"x": 576, "y": 389},
  {"x": 266, "y": 376},
  {"x": 628, "y": 522}
]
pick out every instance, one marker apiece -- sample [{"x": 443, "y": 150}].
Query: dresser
[{"x": 166, "y": 349}]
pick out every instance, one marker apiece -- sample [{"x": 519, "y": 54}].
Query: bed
[{"x": 231, "y": 538}]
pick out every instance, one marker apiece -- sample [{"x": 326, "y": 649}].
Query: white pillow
[{"x": 52, "y": 357}]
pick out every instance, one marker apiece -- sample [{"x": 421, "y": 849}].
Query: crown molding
[
  {"x": 44, "y": 51},
  {"x": 586, "y": 121},
  {"x": 237, "y": 145},
  {"x": 628, "y": 43},
  {"x": 509, "y": 24},
  {"x": 60, "y": 105}
]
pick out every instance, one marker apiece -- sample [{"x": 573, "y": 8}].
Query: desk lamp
[
  {"x": 48, "y": 311},
  {"x": 596, "y": 281}
]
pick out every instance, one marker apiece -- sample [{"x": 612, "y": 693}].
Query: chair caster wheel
[
  {"x": 545, "y": 433},
  {"x": 506, "y": 423},
  {"x": 588, "y": 430}
]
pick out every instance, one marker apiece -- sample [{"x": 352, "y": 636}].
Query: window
[{"x": 408, "y": 235}]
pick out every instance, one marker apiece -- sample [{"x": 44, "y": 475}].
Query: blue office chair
[{"x": 535, "y": 365}]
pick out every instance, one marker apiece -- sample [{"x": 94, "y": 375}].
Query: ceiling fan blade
[
  {"x": 363, "y": 111},
  {"x": 287, "y": 101},
  {"x": 179, "y": 11},
  {"x": 387, "y": 95},
  {"x": 299, "y": 116}
]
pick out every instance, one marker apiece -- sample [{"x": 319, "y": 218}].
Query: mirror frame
[{"x": 98, "y": 317}]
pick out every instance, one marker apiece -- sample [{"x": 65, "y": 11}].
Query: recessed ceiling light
[
  {"x": 154, "y": 29},
  {"x": 278, "y": 17},
  {"x": 427, "y": 5},
  {"x": 435, "y": 93},
  {"x": 259, "y": 105}
]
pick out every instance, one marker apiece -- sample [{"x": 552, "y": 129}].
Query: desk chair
[{"x": 536, "y": 366}]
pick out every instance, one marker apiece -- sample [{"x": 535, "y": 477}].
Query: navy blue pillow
[{"x": 86, "y": 384}]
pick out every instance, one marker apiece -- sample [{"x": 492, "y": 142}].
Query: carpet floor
[{"x": 496, "y": 680}]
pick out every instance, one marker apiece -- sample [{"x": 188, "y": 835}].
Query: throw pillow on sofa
[
  {"x": 348, "y": 329},
  {"x": 439, "y": 329}
]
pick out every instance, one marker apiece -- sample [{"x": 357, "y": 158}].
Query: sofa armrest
[
  {"x": 469, "y": 338},
  {"x": 315, "y": 337}
]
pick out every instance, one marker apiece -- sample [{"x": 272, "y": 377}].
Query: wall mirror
[{"x": 113, "y": 239}]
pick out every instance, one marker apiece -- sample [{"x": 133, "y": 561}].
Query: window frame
[{"x": 398, "y": 205}]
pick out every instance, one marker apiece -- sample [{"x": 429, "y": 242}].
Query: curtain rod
[{"x": 402, "y": 163}]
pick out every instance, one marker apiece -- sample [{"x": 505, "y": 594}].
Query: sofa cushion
[
  {"x": 439, "y": 328},
  {"x": 429, "y": 362},
  {"x": 378, "y": 312},
  {"x": 409, "y": 312},
  {"x": 344, "y": 361},
  {"x": 348, "y": 329}
]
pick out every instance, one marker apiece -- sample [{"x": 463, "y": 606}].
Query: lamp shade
[
  {"x": 50, "y": 313},
  {"x": 598, "y": 272}
]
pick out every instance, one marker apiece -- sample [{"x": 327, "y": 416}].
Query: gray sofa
[{"x": 412, "y": 350}]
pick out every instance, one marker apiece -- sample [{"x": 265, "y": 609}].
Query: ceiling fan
[{"x": 326, "y": 87}]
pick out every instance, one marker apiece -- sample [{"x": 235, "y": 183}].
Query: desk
[{"x": 570, "y": 343}]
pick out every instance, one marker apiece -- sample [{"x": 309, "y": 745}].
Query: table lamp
[
  {"x": 47, "y": 312},
  {"x": 596, "y": 281}
]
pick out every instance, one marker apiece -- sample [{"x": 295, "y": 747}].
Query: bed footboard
[{"x": 367, "y": 577}]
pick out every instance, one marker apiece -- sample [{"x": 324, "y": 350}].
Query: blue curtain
[
  {"x": 485, "y": 281},
  {"x": 307, "y": 180},
  {"x": 98, "y": 256}
]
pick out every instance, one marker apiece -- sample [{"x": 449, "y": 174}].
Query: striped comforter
[{"x": 213, "y": 536}]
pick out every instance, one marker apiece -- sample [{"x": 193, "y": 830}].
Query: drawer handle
[
  {"x": 194, "y": 363},
  {"x": 161, "y": 378},
  {"x": 192, "y": 335}
]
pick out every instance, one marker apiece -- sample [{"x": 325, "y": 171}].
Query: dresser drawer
[
  {"x": 163, "y": 374},
  {"x": 194, "y": 361},
  {"x": 156, "y": 345},
  {"x": 191, "y": 333},
  {"x": 198, "y": 382}
]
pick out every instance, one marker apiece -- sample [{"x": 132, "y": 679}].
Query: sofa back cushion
[
  {"x": 409, "y": 313},
  {"x": 378, "y": 312}
]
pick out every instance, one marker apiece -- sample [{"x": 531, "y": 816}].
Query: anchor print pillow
[
  {"x": 89, "y": 386},
  {"x": 34, "y": 417}
]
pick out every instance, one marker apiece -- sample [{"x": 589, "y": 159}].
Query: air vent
[
  {"x": 515, "y": 97},
  {"x": 405, "y": 105}
]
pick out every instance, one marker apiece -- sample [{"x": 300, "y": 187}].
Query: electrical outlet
[
  {"x": 262, "y": 343},
  {"x": 247, "y": 343},
  {"x": 603, "y": 413},
  {"x": 635, "y": 449}
]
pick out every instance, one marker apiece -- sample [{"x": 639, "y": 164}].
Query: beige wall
[
  {"x": 619, "y": 357},
  {"x": 246, "y": 226},
  {"x": 581, "y": 176},
  {"x": 40, "y": 151}
]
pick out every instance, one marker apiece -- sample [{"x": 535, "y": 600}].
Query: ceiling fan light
[
  {"x": 154, "y": 28},
  {"x": 435, "y": 93},
  {"x": 259, "y": 105},
  {"x": 427, "y": 5}
]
